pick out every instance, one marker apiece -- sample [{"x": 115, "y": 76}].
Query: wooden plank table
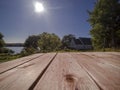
[
  {"x": 62, "y": 71},
  {"x": 65, "y": 74},
  {"x": 12, "y": 64},
  {"x": 102, "y": 70},
  {"x": 23, "y": 77}
]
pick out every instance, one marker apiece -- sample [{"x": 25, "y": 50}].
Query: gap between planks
[
  {"x": 41, "y": 74},
  {"x": 30, "y": 73},
  {"x": 109, "y": 72},
  {"x": 90, "y": 76},
  {"x": 65, "y": 74},
  {"x": 20, "y": 64}
]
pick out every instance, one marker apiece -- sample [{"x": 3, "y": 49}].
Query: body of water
[{"x": 16, "y": 49}]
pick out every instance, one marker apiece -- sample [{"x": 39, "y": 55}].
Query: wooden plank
[
  {"x": 105, "y": 75},
  {"x": 65, "y": 74},
  {"x": 110, "y": 55},
  {"x": 14, "y": 63},
  {"x": 110, "y": 58},
  {"x": 24, "y": 76}
]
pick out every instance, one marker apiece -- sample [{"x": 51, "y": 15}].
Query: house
[{"x": 81, "y": 43}]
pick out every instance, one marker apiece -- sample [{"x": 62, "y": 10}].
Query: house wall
[
  {"x": 83, "y": 47},
  {"x": 72, "y": 44},
  {"x": 78, "y": 47}
]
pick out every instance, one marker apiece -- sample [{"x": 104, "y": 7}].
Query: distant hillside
[{"x": 14, "y": 44}]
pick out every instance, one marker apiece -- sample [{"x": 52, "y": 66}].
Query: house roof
[
  {"x": 85, "y": 41},
  {"x": 77, "y": 41}
]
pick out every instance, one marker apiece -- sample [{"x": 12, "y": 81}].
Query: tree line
[
  {"x": 45, "y": 42},
  {"x": 2, "y": 45},
  {"x": 105, "y": 32},
  {"x": 105, "y": 22}
]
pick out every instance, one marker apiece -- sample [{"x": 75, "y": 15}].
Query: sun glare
[{"x": 38, "y": 7}]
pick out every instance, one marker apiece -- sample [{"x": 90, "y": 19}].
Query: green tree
[
  {"x": 30, "y": 45},
  {"x": 66, "y": 40},
  {"x": 49, "y": 42},
  {"x": 3, "y": 49},
  {"x": 32, "y": 41},
  {"x": 2, "y": 43},
  {"x": 105, "y": 22}
]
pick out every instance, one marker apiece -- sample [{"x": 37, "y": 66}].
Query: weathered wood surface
[
  {"x": 22, "y": 77},
  {"x": 104, "y": 71},
  {"x": 11, "y": 64},
  {"x": 65, "y": 74},
  {"x": 62, "y": 71}
]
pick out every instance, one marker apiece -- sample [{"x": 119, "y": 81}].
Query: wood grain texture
[
  {"x": 11, "y": 64},
  {"x": 22, "y": 77},
  {"x": 102, "y": 70},
  {"x": 110, "y": 58},
  {"x": 65, "y": 74},
  {"x": 62, "y": 71}
]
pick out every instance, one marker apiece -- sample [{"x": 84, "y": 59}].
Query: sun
[{"x": 38, "y": 7}]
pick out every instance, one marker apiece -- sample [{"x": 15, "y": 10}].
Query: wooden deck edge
[{"x": 21, "y": 64}]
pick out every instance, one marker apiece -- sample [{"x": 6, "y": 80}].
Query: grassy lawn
[{"x": 6, "y": 57}]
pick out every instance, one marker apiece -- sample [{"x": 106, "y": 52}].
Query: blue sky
[{"x": 18, "y": 18}]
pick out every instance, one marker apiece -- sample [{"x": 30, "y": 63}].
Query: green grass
[
  {"x": 72, "y": 50},
  {"x": 107, "y": 50},
  {"x": 6, "y": 57}
]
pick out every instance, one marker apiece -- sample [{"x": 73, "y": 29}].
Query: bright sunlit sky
[{"x": 19, "y": 19}]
